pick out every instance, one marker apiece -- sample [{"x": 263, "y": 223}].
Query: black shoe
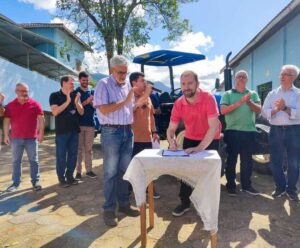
[
  {"x": 78, "y": 176},
  {"x": 278, "y": 193},
  {"x": 91, "y": 174},
  {"x": 180, "y": 210},
  {"x": 231, "y": 192},
  {"x": 110, "y": 219},
  {"x": 129, "y": 211},
  {"x": 293, "y": 196},
  {"x": 72, "y": 181},
  {"x": 251, "y": 191},
  {"x": 64, "y": 184},
  {"x": 37, "y": 186}
]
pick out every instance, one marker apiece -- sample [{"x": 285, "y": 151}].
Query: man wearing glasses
[
  {"x": 239, "y": 105},
  {"x": 282, "y": 109},
  {"x": 113, "y": 100},
  {"x": 26, "y": 119}
]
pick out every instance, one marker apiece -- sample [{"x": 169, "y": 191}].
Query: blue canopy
[{"x": 167, "y": 58}]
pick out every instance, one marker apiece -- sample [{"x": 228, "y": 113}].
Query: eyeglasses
[
  {"x": 121, "y": 73},
  {"x": 286, "y": 75},
  {"x": 241, "y": 77}
]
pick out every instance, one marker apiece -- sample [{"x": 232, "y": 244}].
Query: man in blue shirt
[{"x": 87, "y": 127}]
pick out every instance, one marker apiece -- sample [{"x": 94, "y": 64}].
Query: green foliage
[{"x": 119, "y": 25}]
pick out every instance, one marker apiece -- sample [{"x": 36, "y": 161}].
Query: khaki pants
[{"x": 85, "y": 148}]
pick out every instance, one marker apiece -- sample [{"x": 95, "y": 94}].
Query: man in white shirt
[{"x": 282, "y": 109}]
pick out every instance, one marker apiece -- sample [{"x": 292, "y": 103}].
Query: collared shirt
[
  {"x": 291, "y": 98},
  {"x": 23, "y": 118},
  {"x": 87, "y": 119},
  {"x": 242, "y": 118},
  {"x": 108, "y": 92},
  {"x": 195, "y": 116}
]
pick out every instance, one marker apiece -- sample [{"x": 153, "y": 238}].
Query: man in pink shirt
[
  {"x": 199, "y": 112},
  {"x": 26, "y": 119}
]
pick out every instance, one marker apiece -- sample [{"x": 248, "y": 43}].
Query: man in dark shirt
[
  {"x": 87, "y": 127},
  {"x": 66, "y": 107}
]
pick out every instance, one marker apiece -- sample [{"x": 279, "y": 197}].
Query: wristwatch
[{"x": 284, "y": 108}]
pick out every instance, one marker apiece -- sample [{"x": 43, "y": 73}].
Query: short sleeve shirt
[
  {"x": 195, "y": 116},
  {"x": 68, "y": 120},
  {"x": 242, "y": 118},
  {"x": 87, "y": 119},
  {"x": 23, "y": 118}
]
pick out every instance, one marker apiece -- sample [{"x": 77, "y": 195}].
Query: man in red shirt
[
  {"x": 26, "y": 119},
  {"x": 199, "y": 112}
]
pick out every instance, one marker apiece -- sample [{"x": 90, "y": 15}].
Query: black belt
[
  {"x": 116, "y": 126},
  {"x": 285, "y": 126}
]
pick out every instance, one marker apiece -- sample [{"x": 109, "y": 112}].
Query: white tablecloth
[{"x": 200, "y": 170}]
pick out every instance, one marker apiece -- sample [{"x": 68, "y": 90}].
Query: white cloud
[
  {"x": 191, "y": 42},
  {"x": 207, "y": 70},
  {"x": 70, "y": 25},
  {"x": 49, "y": 5}
]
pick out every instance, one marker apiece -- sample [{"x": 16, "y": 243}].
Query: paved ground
[{"x": 72, "y": 217}]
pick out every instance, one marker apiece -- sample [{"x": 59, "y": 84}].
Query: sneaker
[
  {"x": 109, "y": 218},
  {"x": 64, "y": 184},
  {"x": 72, "y": 181},
  {"x": 156, "y": 195},
  {"x": 250, "y": 191},
  {"x": 278, "y": 193},
  {"x": 78, "y": 176},
  {"x": 12, "y": 188},
  {"x": 231, "y": 192},
  {"x": 37, "y": 186},
  {"x": 129, "y": 211},
  {"x": 91, "y": 174},
  {"x": 293, "y": 196},
  {"x": 180, "y": 210}
]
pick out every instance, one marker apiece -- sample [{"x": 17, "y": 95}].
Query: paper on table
[{"x": 178, "y": 153}]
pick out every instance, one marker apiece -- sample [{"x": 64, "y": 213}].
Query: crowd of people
[{"x": 127, "y": 118}]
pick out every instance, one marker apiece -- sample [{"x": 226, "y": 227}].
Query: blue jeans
[
  {"x": 66, "y": 155},
  {"x": 31, "y": 147},
  {"x": 117, "y": 144},
  {"x": 285, "y": 140}
]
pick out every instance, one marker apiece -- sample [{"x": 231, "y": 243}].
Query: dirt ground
[{"x": 72, "y": 217}]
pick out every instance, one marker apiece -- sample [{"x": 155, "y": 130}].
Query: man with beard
[
  {"x": 87, "y": 127},
  {"x": 199, "y": 112}
]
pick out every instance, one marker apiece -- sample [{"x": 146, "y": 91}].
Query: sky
[{"x": 218, "y": 27}]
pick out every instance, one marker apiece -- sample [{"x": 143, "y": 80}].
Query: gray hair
[
  {"x": 22, "y": 84},
  {"x": 293, "y": 68},
  {"x": 118, "y": 60},
  {"x": 241, "y": 72}
]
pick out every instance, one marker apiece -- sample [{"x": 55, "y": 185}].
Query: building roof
[
  {"x": 281, "y": 19},
  {"x": 60, "y": 26},
  {"x": 16, "y": 46}
]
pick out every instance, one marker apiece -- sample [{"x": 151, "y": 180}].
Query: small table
[{"x": 200, "y": 170}]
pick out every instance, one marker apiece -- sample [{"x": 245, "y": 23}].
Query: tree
[{"x": 123, "y": 24}]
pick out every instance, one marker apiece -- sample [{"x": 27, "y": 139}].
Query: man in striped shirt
[{"x": 113, "y": 100}]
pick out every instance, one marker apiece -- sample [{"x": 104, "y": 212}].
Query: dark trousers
[
  {"x": 186, "y": 190},
  {"x": 285, "y": 140},
  {"x": 239, "y": 142},
  {"x": 66, "y": 155}
]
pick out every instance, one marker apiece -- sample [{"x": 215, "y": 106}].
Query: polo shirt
[
  {"x": 23, "y": 118},
  {"x": 195, "y": 116},
  {"x": 87, "y": 119},
  {"x": 68, "y": 120},
  {"x": 242, "y": 118}
]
